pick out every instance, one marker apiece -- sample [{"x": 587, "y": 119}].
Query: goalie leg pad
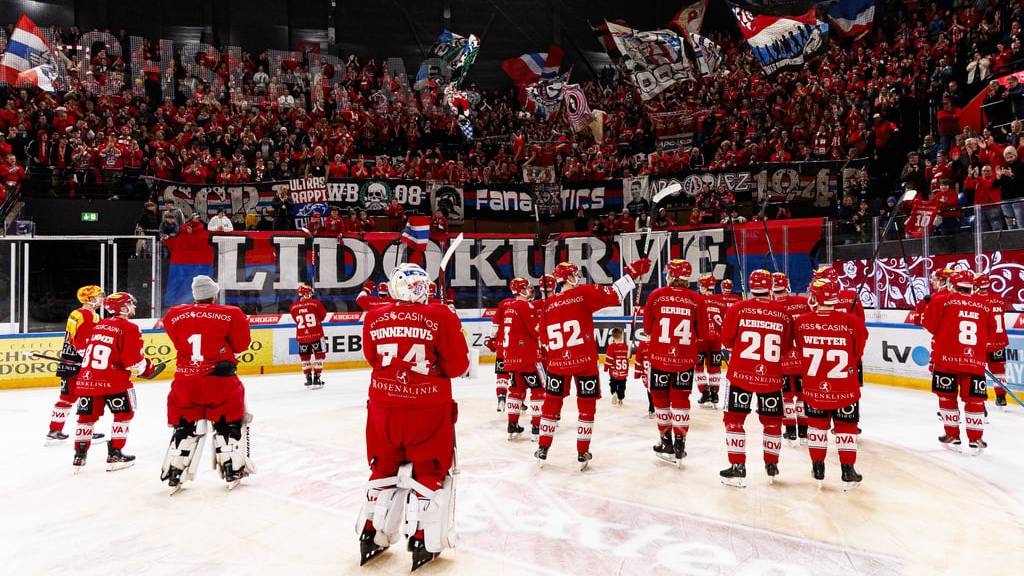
[
  {"x": 385, "y": 506},
  {"x": 231, "y": 449},
  {"x": 433, "y": 511},
  {"x": 185, "y": 448}
]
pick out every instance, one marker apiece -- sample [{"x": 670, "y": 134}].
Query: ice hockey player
[
  {"x": 113, "y": 352},
  {"x": 939, "y": 283},
  {"x": 708, "y": 375},
  {"x": 849, "y": 300},
  {"x": 308, "y": 314},
  {"x": 792, "y": 397},
  {"x": 367, "y": 301},
  {"x": 518, "y": 338},
  {"x": 998, "y": 340},
  {"x": 673, "y": 319},
  {"x": 830, "y": 343},
  {"x": 414, "y": 349},
  {"x": 567, "y": 330},
  {"x": 207, "y": 337},
  {"x": 641, "y": 368},
  {"x": 616, "y": 364},
  {"x": 502, "y": 378},
  {"x": 728, "y": 296},
  {"x": 962, "y": 326},
  {"x": 758, "y": 332},
  {"x": 79, "y": 327}
]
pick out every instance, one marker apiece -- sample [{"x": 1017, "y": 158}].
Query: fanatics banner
[{"x": 514, "y": 200}]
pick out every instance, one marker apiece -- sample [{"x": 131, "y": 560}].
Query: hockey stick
[
  {"x": 767, "y": 236},
  {"x": 905, "y": 197},
  {"x": 739, "y": 257},
  {"x": 442, "y": 274},
  {"x": 670, "y": 190}
]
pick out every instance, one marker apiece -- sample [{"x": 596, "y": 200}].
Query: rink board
[{"x": 896, "y": 353}]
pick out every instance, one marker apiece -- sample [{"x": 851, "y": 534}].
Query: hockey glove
[
  {"x": 224, "y": 368},
  {"x": 69, "y": 365},
  {"x": 489, "y": 342},
  {"x": 368, "y": 286},
  {"x": 638, "y": 268},
  {"x": 152, "y": 370}
]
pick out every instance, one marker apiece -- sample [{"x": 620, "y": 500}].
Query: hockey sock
[
  {"x": 846, "y": 442},
  {"x": 119, "y": 429},
  {"x": 789, "y": 408},
  {"x": 680, "y": 400},
  {"x": 801, "y": 414},
  {"x": 536, "y": 402},
  {"x": 735, "y": 437},
  {"x": 974, "y": 419},
  {"x": 659, "y": 399},
  {"x": 650, "y": 403},
  {"x": 1000, "y": 392},
  {"x": 59, "y": 415},
  {"x": 83, "y": 436},
  {"x": 817, "y": 439},
  {"x": 700, "y": 378},
  {"x": 714, "y": 377},
  {"x": 318, "y": 362},
  {"x": 587, "y": 408},
  {"x": 949, "y": 411},
  {"x": 772, "y": 440},
  {"x": 550, "y": 412},
  {"x": 307, "y": 366},
  {"x": 515, "y": 406}
]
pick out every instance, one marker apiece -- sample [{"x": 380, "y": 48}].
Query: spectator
[
  {"x": 1010, "y": 180},
  {"x": 175, "y": 212},
  {"x": 11, "y": 176},
  {"x": 282, "y": 206},
  {"x": 366, "y": 224},
  {"x": 266, "y": 223},
  {"x": 982, "y": 183},
  {"x": 192, "y": 226},
  {"x": 220, "y": 223},
  {"x": 439, "y": 228},
  {"x": 625, "y": 223},
  {"x": 914, "y": 175},
  {"x": 169, "y": 226},
  {"x": 662, "y": 221},
  {"x": 396, "y": 215},
  {"x": 846, "y": 224},
  {"x": 580, "y": 222},
  {"x": 948, "y": 119},
  {"x": 252, "y": 219},
  {"x": 148, "y": 224},
  {"x": 335, "y": 224}
]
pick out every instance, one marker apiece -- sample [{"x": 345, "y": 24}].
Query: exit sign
[{"x": 90, "y": 216}]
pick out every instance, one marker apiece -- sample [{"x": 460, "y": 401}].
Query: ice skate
[
  {"x": 420, "y": 556},
  {"x": 950, "y": 442},
  {"x": 679, "y": 449},
  {"x": 851, "y": 479},
  {"x": 1000, "y": 401},
  {"x": 976, "y": 448},
  {"x": 309, "y": 381},
  {"x": 772, "y": 470},
  {"x": 650, "y": 415},
  {"x": 735, "y": 475},
  {"x": 665, "y": 451},
  {"x": 514, "y": 431},
  {"x": 174, "y": 480},
  {"x": 818, "y": 471},
  {"x": 534, "y": 433},
  {"x": 801, "y": 434},
  {"x": 541, "y": 455},
  {"x": 54, "y": 437},
  {"x": 584, "y": 459},
  {"x": 317, "y": 382},
  {"x": 117, "y": 460},
  {"x": 79, "y": 461},
  {"x": 714, "y": 398},
  {"x": 705, "y": 399},
  {"x": 368, "y": 549},
  {"x": 790, "y": 435},
  {"x": 501, "y": 403}
]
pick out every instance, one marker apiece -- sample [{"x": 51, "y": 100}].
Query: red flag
[{"x": 922, "y": 216}]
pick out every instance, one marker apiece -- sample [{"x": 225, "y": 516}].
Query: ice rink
[{"x": 921, "y": 509}]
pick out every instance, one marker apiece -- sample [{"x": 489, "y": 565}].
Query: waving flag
[
  {"x": 653, "y": 60},
  {"x": 416, "y": 233},
  {"x": 545, "y": 96},
  {"x": 577, "y": 111},
  {"x": 852, "y": 17},
  {"x": 689, "y": 18},
  {"x": 27, "y": 52},
  {"x": 783, "y": 42},
  {"x": 530, "y": 68}
]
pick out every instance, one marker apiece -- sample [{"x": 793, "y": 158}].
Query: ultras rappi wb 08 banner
[{"x": 260, "y": 271}]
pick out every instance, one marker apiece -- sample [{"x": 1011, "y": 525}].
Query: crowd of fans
[{"x": 872, "y": 98}]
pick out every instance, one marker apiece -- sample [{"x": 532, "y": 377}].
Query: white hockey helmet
[{"x": 409, "y": 283}]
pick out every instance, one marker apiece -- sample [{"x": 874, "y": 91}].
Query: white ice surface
[{"x": 296, "y": 516}]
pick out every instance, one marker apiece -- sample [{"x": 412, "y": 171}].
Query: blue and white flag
[
  {"x": 783, "y": 42},
  {"x": 28, "y": 55},
  {"x": 416, "y": 233},
  {"x": 851, "y": 18}
]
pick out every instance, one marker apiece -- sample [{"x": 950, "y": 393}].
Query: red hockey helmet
[
  {"x": 940, "y": 278},
  {"x": 548, "y": 283},
  {"x": 520, "y": 287},
  {"x": 981, "y": 282},
  {"x": 780, "y": 282},
  {"x": 825, "y": 272},
  {"x": 760, "y": 282},
  {"x": 825, "y": 291},
  {"x": 120, "y": 303},
  {"x": 382, "y": 290},
  {"x": 707, "y": 282},
  {"x": 726, "y": 285},
  {"x": 678, "y": 270},
  {"x": 962, "y": 278},
  {"x": 567, "y": 272},
  {"x": 305, "y": 291}
]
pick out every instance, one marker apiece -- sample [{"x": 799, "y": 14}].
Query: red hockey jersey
[
  {"x": 367, "y": 302},
  {"x": 758, "y": 333},
  {"x": 849, "y": 302},
  {"x": 414, "y": 350},
  {"x": 518, "y": 335},
  {"x": 568, "y": 328},
  {"x": 673, "y": 318},
  {"x": 497, "y": 320},
  {"x": 997, "y": 307},
  {"x": 113, "y": 350},
  {"x": 205, "y": 334},
  {"x": 79, "y": 327},
  {"x": 961, "y": 325},
  {"x": 309, "y": 314},
  {"x": 640, "y": 361},
  {"x": 714, "y": 312},
  {"x": 616, "y": 360},
  {"x": 794, "y": 306},
  {"x": 830, "y": 344}
]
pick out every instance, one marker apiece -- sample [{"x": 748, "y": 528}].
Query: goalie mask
[{"x": 409, "y": 283}]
